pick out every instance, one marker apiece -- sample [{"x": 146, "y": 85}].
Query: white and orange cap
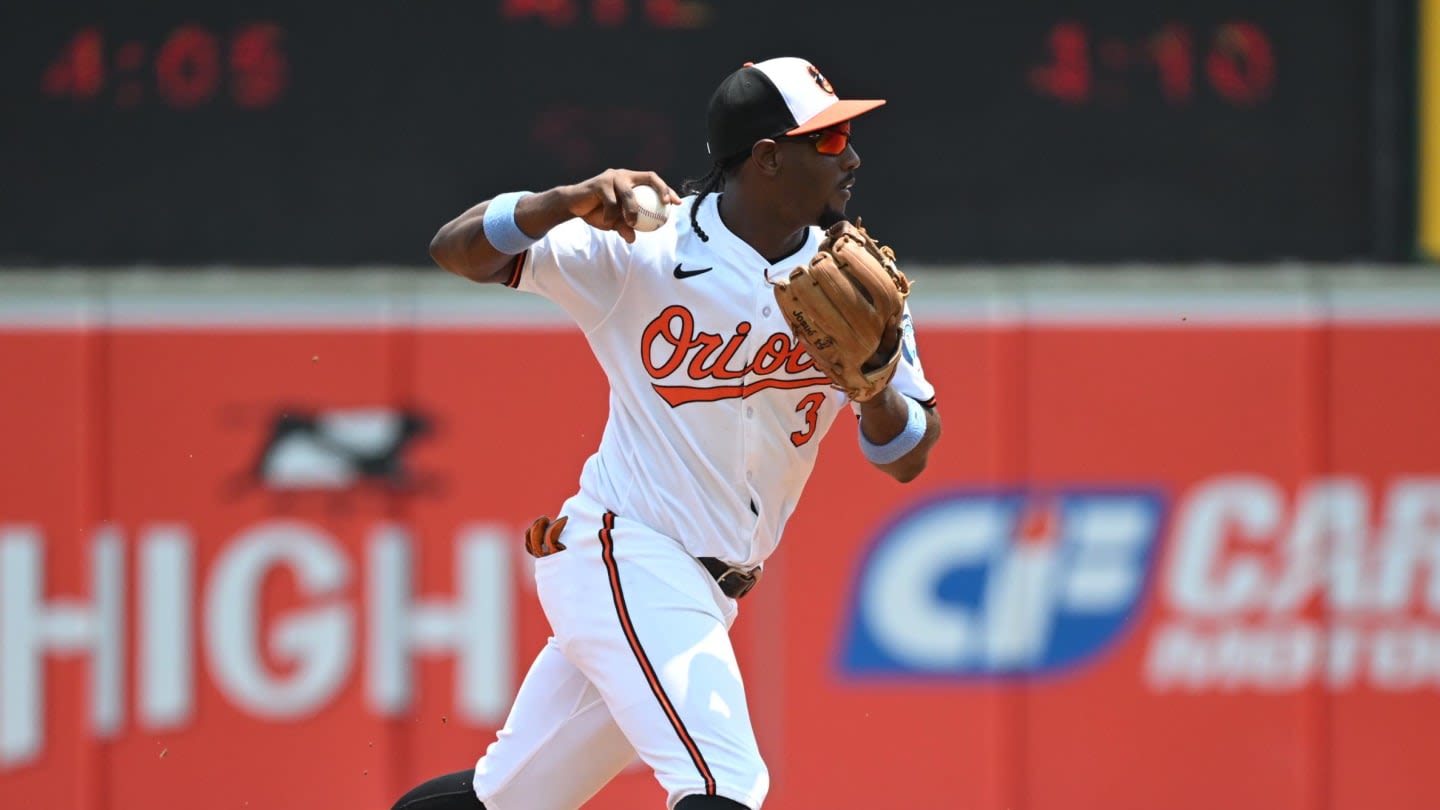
[{"x": 781, "y": 96}]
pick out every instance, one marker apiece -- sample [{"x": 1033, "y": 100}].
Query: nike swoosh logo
[{"x": 681, "y": 272}]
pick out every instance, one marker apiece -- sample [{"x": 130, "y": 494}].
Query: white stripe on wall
[{"x": 368, "y": 298}]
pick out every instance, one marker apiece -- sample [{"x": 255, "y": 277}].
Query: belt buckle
[{"x": 746, "y": 580}]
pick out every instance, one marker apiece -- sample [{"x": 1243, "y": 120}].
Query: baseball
[{"x": 653, "y": 211}]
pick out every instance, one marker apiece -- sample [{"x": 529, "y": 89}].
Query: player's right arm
[{"x": 605, "y": 201}]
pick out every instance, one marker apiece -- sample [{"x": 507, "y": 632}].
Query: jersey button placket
[{"x": 763, "y": 300}]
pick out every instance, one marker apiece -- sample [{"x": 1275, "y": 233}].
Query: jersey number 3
[{"x": 811, "y": 406}]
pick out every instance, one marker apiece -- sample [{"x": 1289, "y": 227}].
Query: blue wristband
[
  {"x": 500, "y": 228},
  {"x": 908, "y": 439}
]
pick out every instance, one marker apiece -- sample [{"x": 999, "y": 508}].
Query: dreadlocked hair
[{"x": 713, "y": 181}]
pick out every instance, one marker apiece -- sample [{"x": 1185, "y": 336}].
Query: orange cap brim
[{"x": 842, "y": 110}]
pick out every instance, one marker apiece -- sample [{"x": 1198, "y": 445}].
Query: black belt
[{"x": 734, "y": 582}]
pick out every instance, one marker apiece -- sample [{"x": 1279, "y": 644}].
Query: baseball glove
[{"x": 845, "y": 308}]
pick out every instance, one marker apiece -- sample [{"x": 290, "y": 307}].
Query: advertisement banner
[{"x": 1178, "y": 564}]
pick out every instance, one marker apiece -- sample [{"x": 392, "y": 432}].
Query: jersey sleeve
[
  {"x": 909, "y": 376},
  {"x": 578, "y": 267}
]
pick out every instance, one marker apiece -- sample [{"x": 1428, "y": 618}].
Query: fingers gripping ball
[
  {"x": 654, "y": 212},
  {"x": 845, "y": 307}
]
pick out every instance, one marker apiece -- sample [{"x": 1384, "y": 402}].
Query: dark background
[{"x": 361, "y": 127}]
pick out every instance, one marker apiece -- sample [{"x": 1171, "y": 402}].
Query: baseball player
[{"x": 717, "y": 410}]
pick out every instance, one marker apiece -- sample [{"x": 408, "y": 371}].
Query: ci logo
[{"x": 988, "y": 584}]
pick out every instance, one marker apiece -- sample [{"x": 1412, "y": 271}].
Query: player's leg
[
  {"x": 649, "y": 628},
  {"x": 558, "y": 747}
]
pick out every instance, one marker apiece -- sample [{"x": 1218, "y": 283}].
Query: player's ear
[{"x": 767, "y": 156}]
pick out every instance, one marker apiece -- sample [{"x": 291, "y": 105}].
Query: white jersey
[{"x": 716, "y": 412}]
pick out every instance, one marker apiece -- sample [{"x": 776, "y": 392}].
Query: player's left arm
[
  {"x": 900, "y": 425},
  {"x": 884, "y": 417}
]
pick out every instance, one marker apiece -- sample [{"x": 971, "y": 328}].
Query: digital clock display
[
  {"x": 1235, "y": 61},
  {"x": 189, "y": 66},
  {"x": 341, "y": 133}
]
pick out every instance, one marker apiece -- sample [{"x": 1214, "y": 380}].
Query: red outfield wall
[{"x": 1156, "y": 563}]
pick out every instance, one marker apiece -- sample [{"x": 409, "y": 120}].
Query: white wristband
[{"x": 908, "y": 439}]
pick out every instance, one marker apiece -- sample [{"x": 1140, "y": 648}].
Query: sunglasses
[{"x": 828, "y": 141}]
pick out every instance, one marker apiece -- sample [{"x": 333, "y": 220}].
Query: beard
[{"x": 829, "y": 216}]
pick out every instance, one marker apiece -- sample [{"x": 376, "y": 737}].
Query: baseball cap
[{"x": 781, "y": 96}]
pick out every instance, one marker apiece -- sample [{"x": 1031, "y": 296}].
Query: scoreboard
[{"x": 325, "y": 133}]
